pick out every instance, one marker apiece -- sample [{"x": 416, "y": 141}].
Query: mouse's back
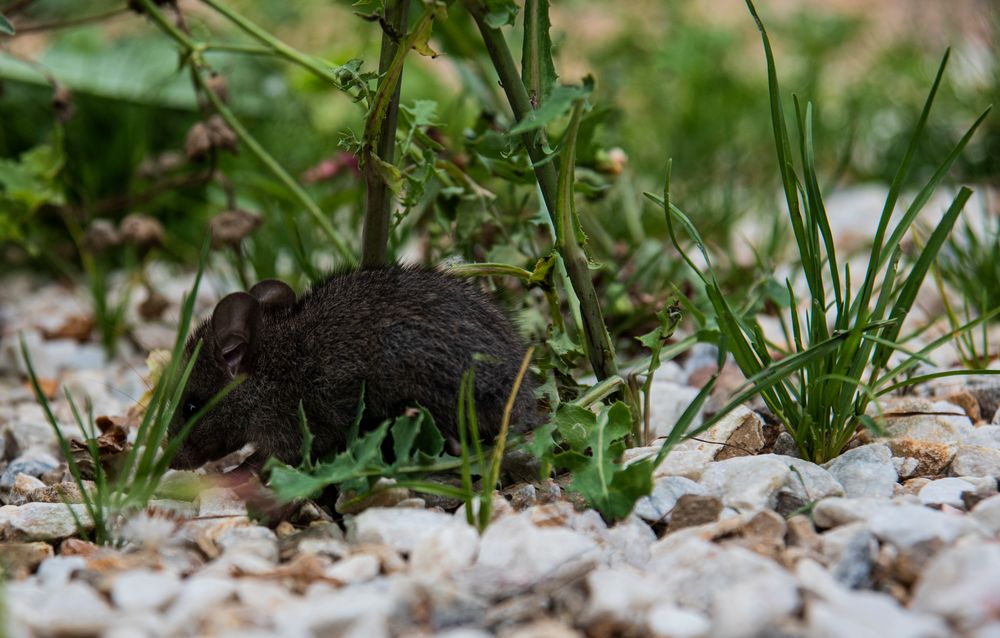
[{"x": 412, "y": 333}]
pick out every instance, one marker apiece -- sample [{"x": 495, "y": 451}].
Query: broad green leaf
[{"x": 575, "y": 424}]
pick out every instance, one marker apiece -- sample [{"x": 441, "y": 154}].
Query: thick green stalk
[
  {"x": 599, "y": 348},
  {"x": 378, "y": 199},
  {"x": 517, "y": 96}
]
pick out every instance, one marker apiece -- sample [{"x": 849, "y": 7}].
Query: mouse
[{"x": 402, "y": 335}]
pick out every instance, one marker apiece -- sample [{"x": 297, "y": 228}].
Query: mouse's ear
[
  {"x": 236, "y": 324},
  {"x": 273, "y": 294}
]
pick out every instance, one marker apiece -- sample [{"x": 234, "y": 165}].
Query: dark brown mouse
[{"x": 406, "y": 334}]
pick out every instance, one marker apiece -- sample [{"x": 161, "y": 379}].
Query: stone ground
[{"x": 898, "y": 537}]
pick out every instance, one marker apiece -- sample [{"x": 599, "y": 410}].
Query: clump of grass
[
  {"x": 113, "y": 497},
  {"x": 970, "y": 263},
  {"x": 838, "y": 360}
]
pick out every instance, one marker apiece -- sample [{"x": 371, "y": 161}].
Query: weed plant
[
  {"x": 129, "y": 489},
  {"x": 840, "y": 341}
]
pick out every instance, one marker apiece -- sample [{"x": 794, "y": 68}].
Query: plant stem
[
  {"x": 598, "y": 341},
  {"x": 378, "y": 200},
  {"x": 517, "y": 96},
  {"x": 289, "y": 53},
  {"x": 599, "y": 348}
]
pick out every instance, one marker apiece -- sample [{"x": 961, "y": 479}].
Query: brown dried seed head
[
  {"x": 210, "y": 134},
  {"x": 231, "y": 226},
  {"x": 62, "y": 103},
  {"x": 198, "y": 142},
  {"x": 217, "y": 84},
  {"x": 222, "y": 136},
  {"x": 141, "y": 230},
  {"x": 101, "y": 235}
]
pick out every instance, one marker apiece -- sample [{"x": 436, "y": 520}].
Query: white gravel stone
[
  {"x": 831, "y": 512},
  {"x": 59, "y": 569},
  {"x": 705, "y": 577},
  {"x": 355, "y": 569},
  {"x": 962, "y": 583},
  {"x": 526, "y": 552},
  {"x": 667, "y": 401},
  {"x": 464, "y": 632},
  {"x": 905, "y": 466},
  {"x": 628, "y": 542},
  {"x": 987, "y": 514},
  {"x": 254, "y": 539},
  {"x": 403, "y": 529},
  {"x": 41, "y": 521},
  {"x": 985, "y": 435},
  {"x": 906, "y": 526},
  {"x": 656, "y": 507},
  {"x": 623, "y": 596},
  {"x": 946, "y": 491},
  {"x": 262, "y": 596},
  {"x": 452, "y": 547},
  {"x": 360, "y": 611},
  {"x": 746, "y": 483},
  {"x": 687, "y": 463},
  {"x": 72, "y": 609},
  {"x": 836, "y": 612},
  {"x": 200, "y": 596},
  {"x": 220, "y": 501},
  {"x": 850, "y": 552},
  {"x": 976, "y": 460},
  {"x": 144, "y": 590},
  {"x": 807, "y": 482},
  {"x": 667, "y": 621},
  {"x": 865, "y": 471},
  {"x": 743, "y": 607},
  {"x": 942, "y": 422},
  {"x": 985, "y": 485},
  {"x": 34, "y": 463}
]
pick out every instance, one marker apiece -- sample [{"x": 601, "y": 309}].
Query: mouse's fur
[{"x": 407, "y": 334}]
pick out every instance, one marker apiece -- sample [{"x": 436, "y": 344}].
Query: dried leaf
[{"x": 76, "y": 326}]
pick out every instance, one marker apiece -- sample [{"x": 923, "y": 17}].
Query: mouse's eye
[{"x": 190, "y": 408}]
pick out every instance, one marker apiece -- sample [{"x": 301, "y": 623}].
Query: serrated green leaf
[
  {"x": 404, "y": 432},
  {"x": 558, "y": 104},
  {"x": 421, "y": 112},
  {"x": 430, "y": 442},
  {"x": 537, "y": 69},
  {"x": 542, "y": 442}
]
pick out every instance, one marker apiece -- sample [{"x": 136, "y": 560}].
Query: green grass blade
[{"x": 908, "y": 294}]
